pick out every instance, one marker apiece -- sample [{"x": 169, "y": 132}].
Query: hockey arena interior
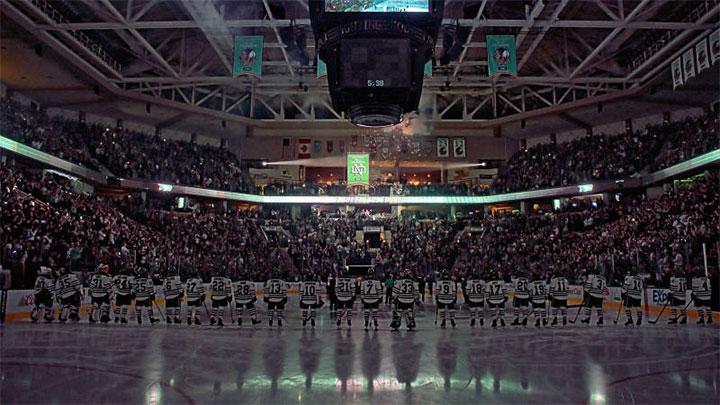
[{"x": 359, "y": 201}]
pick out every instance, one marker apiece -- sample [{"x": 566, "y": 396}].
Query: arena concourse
[{"x": 213, "y": 202}]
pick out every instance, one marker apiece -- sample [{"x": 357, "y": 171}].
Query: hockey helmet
[
  {"x": 445, "y": 275},
  {"x": 45, "y": 271},
  {"x": 371, "y": 273}
]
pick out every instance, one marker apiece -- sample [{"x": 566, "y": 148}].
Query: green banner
[
  {"x": 321, "y": 67},
  {"x": 427, "y": 71},
  {"x": 248, "y": 55},
  {"x": 501, "y": 55},
  {"x": 358, "y": 169}
]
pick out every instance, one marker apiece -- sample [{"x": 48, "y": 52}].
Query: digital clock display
[{"x": 376, "y": 83}]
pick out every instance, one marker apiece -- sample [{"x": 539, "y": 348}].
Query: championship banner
[
  {"x": 321, "y": 67},
  {"x": 443, "y": 148},
  {"x": 676, "y": 70},
  {"x": 688, "y": 64},
  {"x": 459, "y": 147},
  {"x": 501, "y": 55},
  {"x": 427, "y": 70},
  {"x": 358, "y": 169},
  {"x": 714, "y": 40},
  {"x": 701, "y": 55},
  {"x": 317, "y": 147},
  {"x": 248, "y": 55}
]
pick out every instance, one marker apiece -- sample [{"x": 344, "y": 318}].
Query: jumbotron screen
[
  {"x": 373, "y": 63},
  {"x": 377, "y": 6}
]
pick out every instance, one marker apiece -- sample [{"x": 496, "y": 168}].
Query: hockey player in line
[
  {"x": 521, "y": 299},
  {"x": 245, "y": 298},
  {"x": 173, "y": 290},
  {"x": 595, "y": 290},
  {"x": 310, "y": 299},
  {"x": 123, "y": 284},
  {"x": 195, "y": 291},
  {"x": 44, "y": 291},
  {"x": 558, "y": 297},
  {"x": 701, "y": 297},
  {"x": 446, "y": 297},
  {"x": 496, "y": 298},
  {"x": 69, "y": 291},
  {"x": 144, "y": 291},
  {"x": 631, "y": 296},
  {"x": 220, "y": 295},
  {"x": 276, "y": 298},
  {"x": 538, "y": 295},
  {"x": 678, "y": 287},
  {"x": 345, "y": 293},
  {"x": 101, "y": 285},
  {"x": 405, "y": 294},
  {"x": 474, "y": 293},
  {"x": 371, "y": 295}
]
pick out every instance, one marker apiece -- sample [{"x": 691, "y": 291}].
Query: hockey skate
[
  {"x": 672, "y": 321},
  {"x": 153, "y": 321},
  {"x": 349, "y": 322},
  {"x": 629, "y": 322},
  {"x": 220, "y": 322},
  {"x": 367, "y": 324},
  {"x": 212, "y": 322},
  {"x": 472, "y": 323},
  {"x": 239, "y": 321},
  {"x": 524, "y": 322},
  {"x": 452, "y": 323},
  {"x": 494, "y": 323},
  {"x": 482, "y": 322},
  {"x": 502, "y": 322},
  {"x": 554, "y": 322},
  {"x": 564, "y": 321},
  {"x": 139, "y": 320},
  {"x": 411, "y": 324},
  {"x": 91, "y": 319},
  {"x": 123, "y": 320},
  {"x": 280, "y": 323},
  {"x": 49, "y": 319},
  {"x": 442, "y": 324},
  {"x": 709, "y": 319},
  {"x": 683, "y": 320},
  {"x": 33, "y": 316},
  {"x": 599, "y": 322},
  {"x": 177, "y": 321},
  {"x": 189, "y": 321},
  {"x": 338, "y": 323},
  {"x": 537, "y": 323},
  {"x": 312, "y": 322},
  {"x": 701, "y": 321},
  {"x": 117, "y": 319},
  {"x": 168, "y": 320},
  {"x": 104, "y": 318},
  {"x": 375, "y": 322},
  {"x": 545, "y": 322},
  {"x": 586, "y": 321},
  {"x": 197, "y": 321},
  {"x": 639, "y": 321},
  {"x": 515, "y": 322}
]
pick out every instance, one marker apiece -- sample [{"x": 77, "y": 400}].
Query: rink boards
[{"x": 20, "y": 302}]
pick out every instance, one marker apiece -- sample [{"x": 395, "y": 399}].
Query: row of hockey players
[{"x": 530, "y": 296}]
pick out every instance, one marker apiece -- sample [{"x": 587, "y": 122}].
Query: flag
[
  {"x": 714, "y": 40},
  {"x": 329, "y": 146},
  {"x": 304, "y": 148}
]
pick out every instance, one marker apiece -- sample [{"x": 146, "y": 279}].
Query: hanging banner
[
  {"x": 341, "y": 145},
  {"x": 354, "y": 141},
  {"x": 459, "y": 147},
  {"x": 688, "y": 59},
  {"x": 321, "y": 67},
  {"x": 317, "y": 147},
  {"x": 427, "y": 71},
  {"x": 676, "y": 69},
  {"x": 714, "y": 40},
  {"x": 358, "y": 169},
  {"x": 501, "y": 55},
  {"x": 443, "y": 150},
  {"x": 329, "y": 146},
  {"x": 701, "y": 55},
  {"x": 248, "y": 55},
  {"x": 304, "y": 148}
]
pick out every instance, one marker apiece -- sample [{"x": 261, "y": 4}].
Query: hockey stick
[
  {"x": 436, "y": 314},
  {"x": 580, "y": 308},
  {"x": 159, "y": 310},
  {"x": 622, "y": 305},
  {"x": 660, "y": 314},
  {"x": 207, "y": 311}
]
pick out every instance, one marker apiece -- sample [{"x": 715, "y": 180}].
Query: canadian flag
[{"x": 304, "y": 148}]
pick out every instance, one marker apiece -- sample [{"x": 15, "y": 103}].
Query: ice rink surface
[{"x": 83, "y": 364}]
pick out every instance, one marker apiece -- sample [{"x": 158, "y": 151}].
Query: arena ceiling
[{"x": 177, "y": 55}]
